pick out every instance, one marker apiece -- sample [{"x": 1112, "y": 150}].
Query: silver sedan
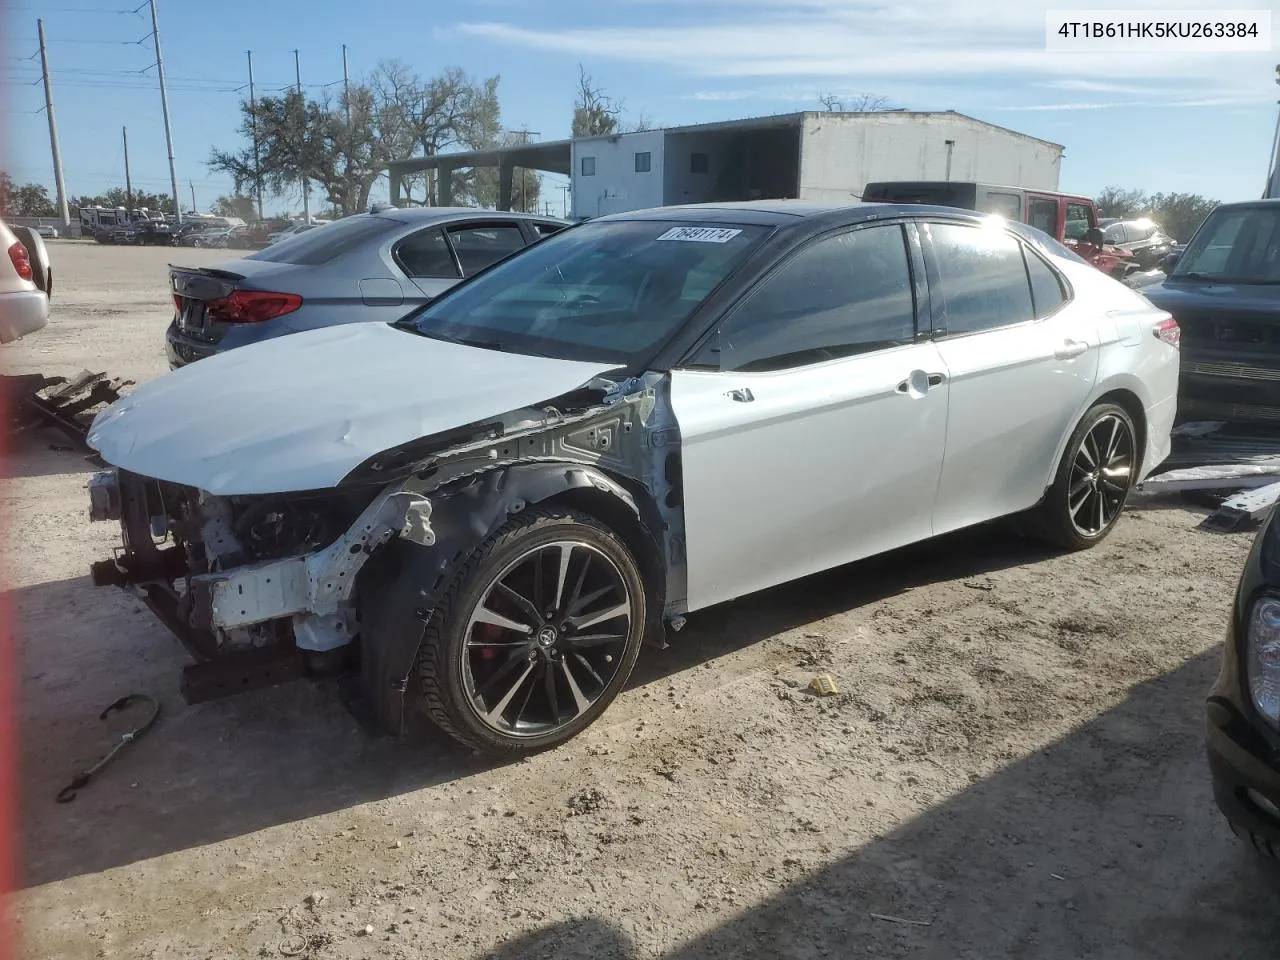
[{"x": 369, "y": 267}]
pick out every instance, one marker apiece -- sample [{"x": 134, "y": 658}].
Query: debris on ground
[
  {"x": 823, "y": 685},
  {"x": 66, "y": 405},
  {"x": 585, "y": 801}
]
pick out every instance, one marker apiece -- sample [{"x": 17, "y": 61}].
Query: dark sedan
[
  {"x": 1224, "y": 291},
  {"x": 1244, "y": 706},
  {"x": 368, "y": 267}
]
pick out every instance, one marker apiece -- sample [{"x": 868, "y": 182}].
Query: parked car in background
[
  {"x": 504, "y": 494},
  {"x": 47, "y": 232},
  {"x": 26, "y": 283},
  {"x": 257, "y": 235},
  {"x": 1069, "y": 219},
  {"x": 290, "y": 231},
  {"x": 1243, "y": 709},
  {"x": 1141, "y": 237},
  {"x": 367, "y": 267},
  {"x": 207, "y": 237},
  {"x": 1224, "y": 290}
]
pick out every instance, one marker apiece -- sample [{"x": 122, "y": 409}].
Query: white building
[
  {"x": 811, "y": 156},
  {"x": 823, "y": 156}
]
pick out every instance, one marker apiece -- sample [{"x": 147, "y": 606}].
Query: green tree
[
  {"x": 1122, "y": 203},
  {"x": 235, "y": 206},
  {"x": 344, "y": 147},
  {"x": 594, "y": 113},
  {"x": 27, "y": 200},
  {"x": 1180, "y": 214}
]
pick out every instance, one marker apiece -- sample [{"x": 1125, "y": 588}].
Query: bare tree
[
  {"x": 861, "y": 103},
  {"x": 594, "y": 113}
]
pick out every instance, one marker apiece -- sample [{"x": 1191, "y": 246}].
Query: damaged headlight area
[{"x": 234, "y": 574}]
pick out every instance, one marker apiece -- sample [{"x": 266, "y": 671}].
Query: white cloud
[{"x": 876, "y": 41}]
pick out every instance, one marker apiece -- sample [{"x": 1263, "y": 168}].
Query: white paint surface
[{"x": 300, "y": 412}]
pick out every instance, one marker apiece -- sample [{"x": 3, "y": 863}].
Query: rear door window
[
  {"x": 479, "y": 245},
  {"x": 426, "y": 254},
  {"x": 983, "y": 278}
]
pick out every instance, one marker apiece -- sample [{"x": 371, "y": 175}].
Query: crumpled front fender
[{"x": 400, "y": 591}]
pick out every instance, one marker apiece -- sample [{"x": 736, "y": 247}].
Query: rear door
[{"x": 1021, "y": 359}]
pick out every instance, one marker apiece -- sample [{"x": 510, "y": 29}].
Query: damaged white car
[{"x": 483, "y": 511}]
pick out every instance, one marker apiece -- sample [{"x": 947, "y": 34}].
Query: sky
[{"x": 1190, "y": 122}]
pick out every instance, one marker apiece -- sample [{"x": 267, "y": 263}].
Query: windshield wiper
[
  {"x": 483, "y": 344},
  {"x": 1247, "y": 281}
]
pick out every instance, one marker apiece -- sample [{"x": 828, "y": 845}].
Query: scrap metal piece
[
  {"x": 65, "y": 405},
  {"x": 1215, "y": 477},
  {"x": 1244, "y": 511},
  {"x": 104, "y": 496}
]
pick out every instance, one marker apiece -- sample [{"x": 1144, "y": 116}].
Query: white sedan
[{"x": 484, "y": 510}]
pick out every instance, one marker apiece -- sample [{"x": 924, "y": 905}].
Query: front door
[
  {"x": 813, "y": 423},
  {"x": 1021, "y": 360}
]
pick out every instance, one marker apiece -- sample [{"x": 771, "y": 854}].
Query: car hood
[
  {"x": 300, "y": 412},
  {"x": 1199, "y": 296}
]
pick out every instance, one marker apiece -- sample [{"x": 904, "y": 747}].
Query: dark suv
[
  {"x": 1224, "y": 291},
  {"x": 1144, "y": 239}
]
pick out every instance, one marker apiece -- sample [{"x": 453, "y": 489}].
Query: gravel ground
[{"x": 1013, "y": 765}]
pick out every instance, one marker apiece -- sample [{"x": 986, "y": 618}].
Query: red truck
[{"x": 1070, "y": 220}]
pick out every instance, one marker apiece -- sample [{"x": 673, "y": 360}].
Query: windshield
[
  {"x": 1235, "y": 245},
  {"x": 603, "y": 291}
]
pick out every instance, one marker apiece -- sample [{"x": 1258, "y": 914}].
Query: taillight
[
  {"x": 1168, "y": 332},
  {"x": 251, "y": 306},
  {"x": 21, "y": 260},
  {"x": 177, "y": 304}
]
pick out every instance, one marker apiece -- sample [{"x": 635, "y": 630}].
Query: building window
[
  {"x": 699, "y": 162},
  {"x": 643, "y": 162},
  {"x": 588, "y": 166}
]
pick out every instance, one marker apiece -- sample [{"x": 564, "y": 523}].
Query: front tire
[
  {"x": 536, "y": 636},
  {"x": 1094, "y": 478}
]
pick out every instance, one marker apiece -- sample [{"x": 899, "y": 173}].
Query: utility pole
[
  {"x": 59, "y": 185},
  {"x": 306, "y": 189},
  {"x": 194, "y": 208},
  {"x": 253, "y": 119},
  {"x": 164, "y": 106},
  {"x": 524, "y": 172},
  {"x": 128, "y": 183},
  {"x": 346, "y": 87},
  {"x": 564, "y": 200}
]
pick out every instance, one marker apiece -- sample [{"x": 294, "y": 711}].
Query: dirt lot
[{"x": 1013, "y": 766}]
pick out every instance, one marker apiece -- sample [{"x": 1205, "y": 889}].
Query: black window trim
[
  {"x": 440, "y": 228},
  {"x": 919, "y": 296},
  {"x": 937, "y": 304},
  {"x": 445, "y": 226}
]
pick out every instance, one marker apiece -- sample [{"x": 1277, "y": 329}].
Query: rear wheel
[
  {"x": 1093, "y": 481},
  {"x": 536, "y": 636},
  {"x": 1260, "y": 844}
]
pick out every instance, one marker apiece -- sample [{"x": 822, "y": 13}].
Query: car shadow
[
  {"x": 979, "y": 876},
  {"x": 43, "y": 453},
  {"x": 230, "y": 767},
  {"x": 724, "y": 628}
]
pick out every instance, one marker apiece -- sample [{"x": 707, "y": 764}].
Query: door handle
[
  {"x": 919, "y": 382},
  {"x": 742, "y": 395},
  {"x": 1070, "y": 349}
]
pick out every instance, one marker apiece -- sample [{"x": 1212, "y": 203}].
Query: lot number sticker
[{"x": 700, "y": 234}]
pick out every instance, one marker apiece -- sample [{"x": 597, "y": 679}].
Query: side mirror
[
  {"x": 1169, "y": 261},
  {"x": 1093, "y": 236}
]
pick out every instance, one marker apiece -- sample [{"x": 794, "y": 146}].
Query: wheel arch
[
  {"x": 1120, "y": 391},
  {"x": 403, "y": 583}
]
